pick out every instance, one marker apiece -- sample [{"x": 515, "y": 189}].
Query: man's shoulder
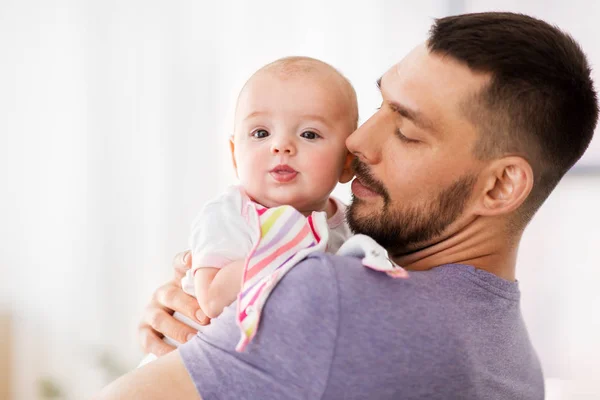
[
  {"x": 311, "y": 282},
  {"x": 407, "y": 331},
  {"x": 343, "y": 269},
  {"x": 321, "y": 269},
  {"x": 322, "y": 263},
  {"x": 427, "y": 301},
  {"x": 324, "y": 275}
]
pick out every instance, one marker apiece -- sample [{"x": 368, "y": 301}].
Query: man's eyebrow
[{"x": 415, "y": 116}]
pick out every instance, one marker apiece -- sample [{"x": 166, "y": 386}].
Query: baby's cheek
[
  {"x": 249, "y": 179},
  {"x": 327, "y": 170}
]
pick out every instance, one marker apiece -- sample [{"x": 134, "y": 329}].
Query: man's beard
[{"x": 401, "y": 230}]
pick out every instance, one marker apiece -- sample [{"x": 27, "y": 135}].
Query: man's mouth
[
  {"x": 361, "y": 190},
  {"x": 283, "y": 173},
  {"x": 365, "y": 185}
]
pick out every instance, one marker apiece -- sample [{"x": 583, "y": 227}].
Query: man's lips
[
  {"x": 362, "y": 191},
  {"x": 283, "y": 173}
]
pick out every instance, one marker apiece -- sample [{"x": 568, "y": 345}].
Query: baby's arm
[{"x": 216, "y": 288}]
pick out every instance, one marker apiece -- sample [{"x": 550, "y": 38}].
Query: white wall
[
  {"x": 559, "y": 271},
  {"x": 114, "y": 119}
]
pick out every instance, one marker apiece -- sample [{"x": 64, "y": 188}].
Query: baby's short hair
[{"x": 294, "y": 66}]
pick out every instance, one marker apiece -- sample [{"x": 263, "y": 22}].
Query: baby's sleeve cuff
[{"x": 208, "y": 261}]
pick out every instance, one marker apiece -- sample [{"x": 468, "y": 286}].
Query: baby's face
[{"x": 289, "y": 141}]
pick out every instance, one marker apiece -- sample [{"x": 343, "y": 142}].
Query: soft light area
[{"x": 114, "y": 126}]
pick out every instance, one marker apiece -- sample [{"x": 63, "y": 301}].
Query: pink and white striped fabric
[{"x": 286, "y": 237}]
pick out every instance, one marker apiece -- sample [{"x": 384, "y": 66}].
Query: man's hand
[{"x": 158, "y": 320}]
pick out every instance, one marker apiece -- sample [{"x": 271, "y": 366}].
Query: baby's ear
[
  {"x": 348, "y": 171},
  {"x": 232, "y": 148}
]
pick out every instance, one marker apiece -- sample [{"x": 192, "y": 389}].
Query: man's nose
[
  {"x": 365, "y": 142},
  {"x": 283, "y": 146}
]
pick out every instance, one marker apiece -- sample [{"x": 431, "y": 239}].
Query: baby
[
  {"x": 288, "y": 148},
  {"x": 291, "y": 123}
]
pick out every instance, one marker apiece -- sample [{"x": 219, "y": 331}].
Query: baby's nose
[{"x": 283, "y": 147}]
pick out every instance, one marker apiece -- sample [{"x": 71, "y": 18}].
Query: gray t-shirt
[{"x": 333, "y": 329}]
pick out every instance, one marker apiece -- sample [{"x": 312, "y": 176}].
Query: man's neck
[{"x": 480, "y": 244}]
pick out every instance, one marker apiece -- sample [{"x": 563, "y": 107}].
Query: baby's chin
[{"x": 280, "y": 199}]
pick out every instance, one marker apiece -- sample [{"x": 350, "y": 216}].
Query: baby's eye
[
  {"x": 260, "y": 134},
  {"x": 310, "y": 135}
]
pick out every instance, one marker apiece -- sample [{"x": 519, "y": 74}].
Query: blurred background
[{"x": 114, "y": 119}]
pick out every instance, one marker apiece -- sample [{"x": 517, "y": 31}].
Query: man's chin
[
  {"x": 371, "y": 206},
  {"x": 361, "y": 215},
  {"x": 370, "y": 219}
]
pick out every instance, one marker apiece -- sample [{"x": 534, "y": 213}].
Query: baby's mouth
[{"x": 283, "y": 173}]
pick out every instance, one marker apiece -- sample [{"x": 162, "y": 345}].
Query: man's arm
[
  {"x": 290, "y": 357},
  {"x": 164, "y": 378}
]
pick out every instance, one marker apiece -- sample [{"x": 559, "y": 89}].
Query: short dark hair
[{"x": 540, "y": 102}]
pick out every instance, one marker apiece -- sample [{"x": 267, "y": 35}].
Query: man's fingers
[
  {"x": 201, "y": 317},
  {"x": 152, "y": 343},
  {"x": 182, "y": 262},
  {"x": 182, "y": 259},
  {"x": 163, "y": 322},
  {"x": 173, "y": 297}
]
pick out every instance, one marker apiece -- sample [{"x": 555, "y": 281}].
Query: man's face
[{"x": 415, "y": 166}]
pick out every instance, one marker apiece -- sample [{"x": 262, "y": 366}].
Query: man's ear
[
  {"x": 348, "y": 171},
  {"x": 232, "y": 149},
  {"x": 507, "y": 185}
]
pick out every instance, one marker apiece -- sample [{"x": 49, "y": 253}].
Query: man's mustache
[{"x": 364, "y": 175}]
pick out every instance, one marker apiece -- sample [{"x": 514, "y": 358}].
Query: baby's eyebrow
[
  {"x": 256, "y": 114},
  {"x": 315, "y": 117}
]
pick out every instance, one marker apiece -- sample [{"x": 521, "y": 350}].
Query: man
[{"x": 476, "y": 128}]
